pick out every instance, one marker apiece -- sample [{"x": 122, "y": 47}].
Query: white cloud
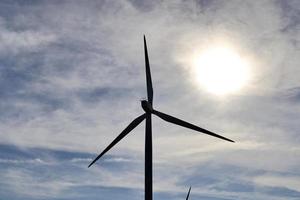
[
  {"x": 86, "y": 46},
  {"x": 284, "y": 181},
  {"x": 14, "y": 42}
]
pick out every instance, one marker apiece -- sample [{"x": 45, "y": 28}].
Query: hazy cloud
[{"x": 72, "y": 74}]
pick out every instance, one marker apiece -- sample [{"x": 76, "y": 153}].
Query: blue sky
[{"x": 72, "y": 74}]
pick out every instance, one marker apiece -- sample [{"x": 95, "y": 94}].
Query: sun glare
[{"x": 221, "y": 71}]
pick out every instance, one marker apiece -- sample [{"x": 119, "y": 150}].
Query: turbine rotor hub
[{"x": 147, "y": 107}]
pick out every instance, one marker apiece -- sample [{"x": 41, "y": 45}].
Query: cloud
[
  {"x": 284, "y": 181},
  {"x": 34, "y": 161},
  {"x": 72, "y": 74}
]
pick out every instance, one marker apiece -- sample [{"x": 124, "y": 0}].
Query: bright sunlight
[{"x": 221, "y": 71}]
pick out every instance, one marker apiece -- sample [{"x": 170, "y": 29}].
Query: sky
[{"x": 72, "y": 76}]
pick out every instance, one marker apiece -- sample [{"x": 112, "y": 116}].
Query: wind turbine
[
  {"x": 187, "y": 196},
  {"x": 147, "y": 107}
]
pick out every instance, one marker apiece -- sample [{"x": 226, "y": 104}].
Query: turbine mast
[{"x": 148, "y": 158}]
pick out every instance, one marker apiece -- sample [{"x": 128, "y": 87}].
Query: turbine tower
[{"x": 149, "y": 110}]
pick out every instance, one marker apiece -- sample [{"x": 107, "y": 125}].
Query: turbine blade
[
  {"x": 187, "y": 196},
  {"x": 129, "y": 128},
  {"x": 148, "y": 74},
  {"x": 180, "y": 122}
]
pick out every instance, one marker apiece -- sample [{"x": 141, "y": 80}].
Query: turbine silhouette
[
  {"x": 187, "y": 196},
  {"x": 147, "y": 107}
]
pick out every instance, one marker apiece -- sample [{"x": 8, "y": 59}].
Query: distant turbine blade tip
[{"x": 188, "y": 194}]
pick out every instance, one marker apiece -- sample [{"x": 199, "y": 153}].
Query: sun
[{"x": 221, "y": 70}]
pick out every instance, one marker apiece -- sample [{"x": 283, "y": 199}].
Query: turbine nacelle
[{"x": 147, "y": 107}]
